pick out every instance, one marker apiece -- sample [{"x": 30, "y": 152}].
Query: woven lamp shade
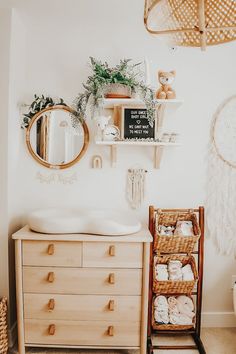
[{"x": 193, "y": 23}]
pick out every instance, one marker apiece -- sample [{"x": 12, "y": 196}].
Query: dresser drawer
[
  {"x": 82, "y": 333},
  {"x": 49, "y": 253},
  {"x": 82, "y": 281},
  {"x": 116, "y": 255},
  {"x": 82, "y": 307}
]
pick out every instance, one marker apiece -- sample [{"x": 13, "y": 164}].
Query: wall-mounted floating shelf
[
  {"x": 110, "y": 103},
  {"x": 163, "y": 107},
  {"x": 158, "y": 148}
]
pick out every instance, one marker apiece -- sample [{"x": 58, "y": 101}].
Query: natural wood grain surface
[
  {"x": 48, "y": 253},
  {"x": 82, "y": 281},
  {"x": 82, "y": 307},
  {"x": 26, "y": 234},
  {"x": 145, "y": 294},
  {"x": 116, "y": 255},
  {"x": 19, "y": 296},
  {"x": 82, "y": 290},
  {"x": 83, "y": 333}
]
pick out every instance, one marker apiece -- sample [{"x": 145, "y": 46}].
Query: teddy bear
[{"x": 166, "y": 79}]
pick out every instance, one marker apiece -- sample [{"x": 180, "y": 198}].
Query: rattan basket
[
  {"x": 3, "y": 326},
  {"x": 169, "y": 326},
  {"x": 174, "y": 287},
  {"x": 175, "y": 243}
]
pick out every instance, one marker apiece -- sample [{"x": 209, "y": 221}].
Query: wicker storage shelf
[
  {"x": 169, "y": 326},
  {"x": 170, "y": 286},
  {"x": 175, "y": 243},
  {"x": 3, "y": 326}
]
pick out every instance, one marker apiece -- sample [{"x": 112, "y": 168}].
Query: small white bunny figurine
[{"x": 101, "y": 123}]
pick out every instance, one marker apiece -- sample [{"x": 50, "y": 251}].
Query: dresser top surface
[{"x": 25, "y": 233}]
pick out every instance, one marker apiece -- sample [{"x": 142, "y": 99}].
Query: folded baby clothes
[
  {"x": 184, "y": 228},
  {"x": 174, "y": 269},
  {"x": 185, "y": 306},
  {"x": 179, "y": 319},
  {"x": 161, "y": 272},
  {"x": 181, "y": 310},
  {"x": 187, "y": 273}
]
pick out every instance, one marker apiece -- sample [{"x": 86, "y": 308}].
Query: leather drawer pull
[
  {"x": 111, "y": 305},
  {"x": 111, "y": 278},
  {"x": 50, "y": 249},
  {"x": 51, "y": 277},
  {"x": 112, "y": 251},
  {"x": 110, "y": 331},
  {"x": 51, "y": 304},
  {"x": 51, "y": 330}
]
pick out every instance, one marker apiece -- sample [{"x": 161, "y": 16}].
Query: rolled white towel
[
  {"x": 161, "y": 272},
  {"x": 187, "y": 273},
  {"x": 160, "y": 303},
  {"x": 173, "y": 305},
  {"x": 161, "y": 316},
  {"x": 175, "y": 270}
]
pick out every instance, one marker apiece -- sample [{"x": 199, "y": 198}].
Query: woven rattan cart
[{"x": 197, "y": 249}]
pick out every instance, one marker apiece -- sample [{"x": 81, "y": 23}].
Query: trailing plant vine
[{"x": 124, "y": 73}]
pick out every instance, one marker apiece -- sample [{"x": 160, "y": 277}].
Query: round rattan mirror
[{"x": 52, "y": 140}]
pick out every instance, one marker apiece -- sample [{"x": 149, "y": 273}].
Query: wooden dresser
[{"x": 82, "y": 291}]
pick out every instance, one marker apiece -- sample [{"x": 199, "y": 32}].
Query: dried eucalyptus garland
[{"x": 40, "y": 103}]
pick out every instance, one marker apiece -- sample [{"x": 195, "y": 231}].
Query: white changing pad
[{"x": 72, "y": 220}]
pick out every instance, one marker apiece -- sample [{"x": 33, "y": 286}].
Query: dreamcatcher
[{"x": 221, "y": 188}]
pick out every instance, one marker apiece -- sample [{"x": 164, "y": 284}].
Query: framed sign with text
[{"x": 134, "y": 123}]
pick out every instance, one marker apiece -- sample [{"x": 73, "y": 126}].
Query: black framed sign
[{"x": 134, "y": 123}]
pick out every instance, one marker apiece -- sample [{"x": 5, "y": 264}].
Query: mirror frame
[{"x": 43, "y": 162}]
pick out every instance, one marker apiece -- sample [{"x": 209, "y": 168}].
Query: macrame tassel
[{"x": 135, "y": 187}]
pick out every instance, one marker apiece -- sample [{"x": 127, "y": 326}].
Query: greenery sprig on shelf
[
  {"x": 39, "y": 103},
  {"x": 124, "y": 73}
]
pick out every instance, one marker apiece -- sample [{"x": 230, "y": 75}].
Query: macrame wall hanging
[
  {"x": 193, "y": 23},
  {"x": 221, "y": 184},
  {"x": 135, "y": 187}
]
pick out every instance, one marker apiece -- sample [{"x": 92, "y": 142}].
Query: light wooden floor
[{"x": 216, "y": 341}]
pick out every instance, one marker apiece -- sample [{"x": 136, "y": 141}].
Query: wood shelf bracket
[
  {"x": 113, "y": 155},
  {"x": 158, "y": 152}
]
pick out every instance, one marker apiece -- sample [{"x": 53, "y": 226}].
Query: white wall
[
  {"x": 60, "y": 37},
  {"x": 15, "y": 139},
  {"x": 5, "y": 33}
]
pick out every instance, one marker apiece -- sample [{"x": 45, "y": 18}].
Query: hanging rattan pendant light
[{"x": 194, "y": 23}]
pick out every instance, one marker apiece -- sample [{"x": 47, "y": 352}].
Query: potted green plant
[{"x": 123, "y": 80}]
